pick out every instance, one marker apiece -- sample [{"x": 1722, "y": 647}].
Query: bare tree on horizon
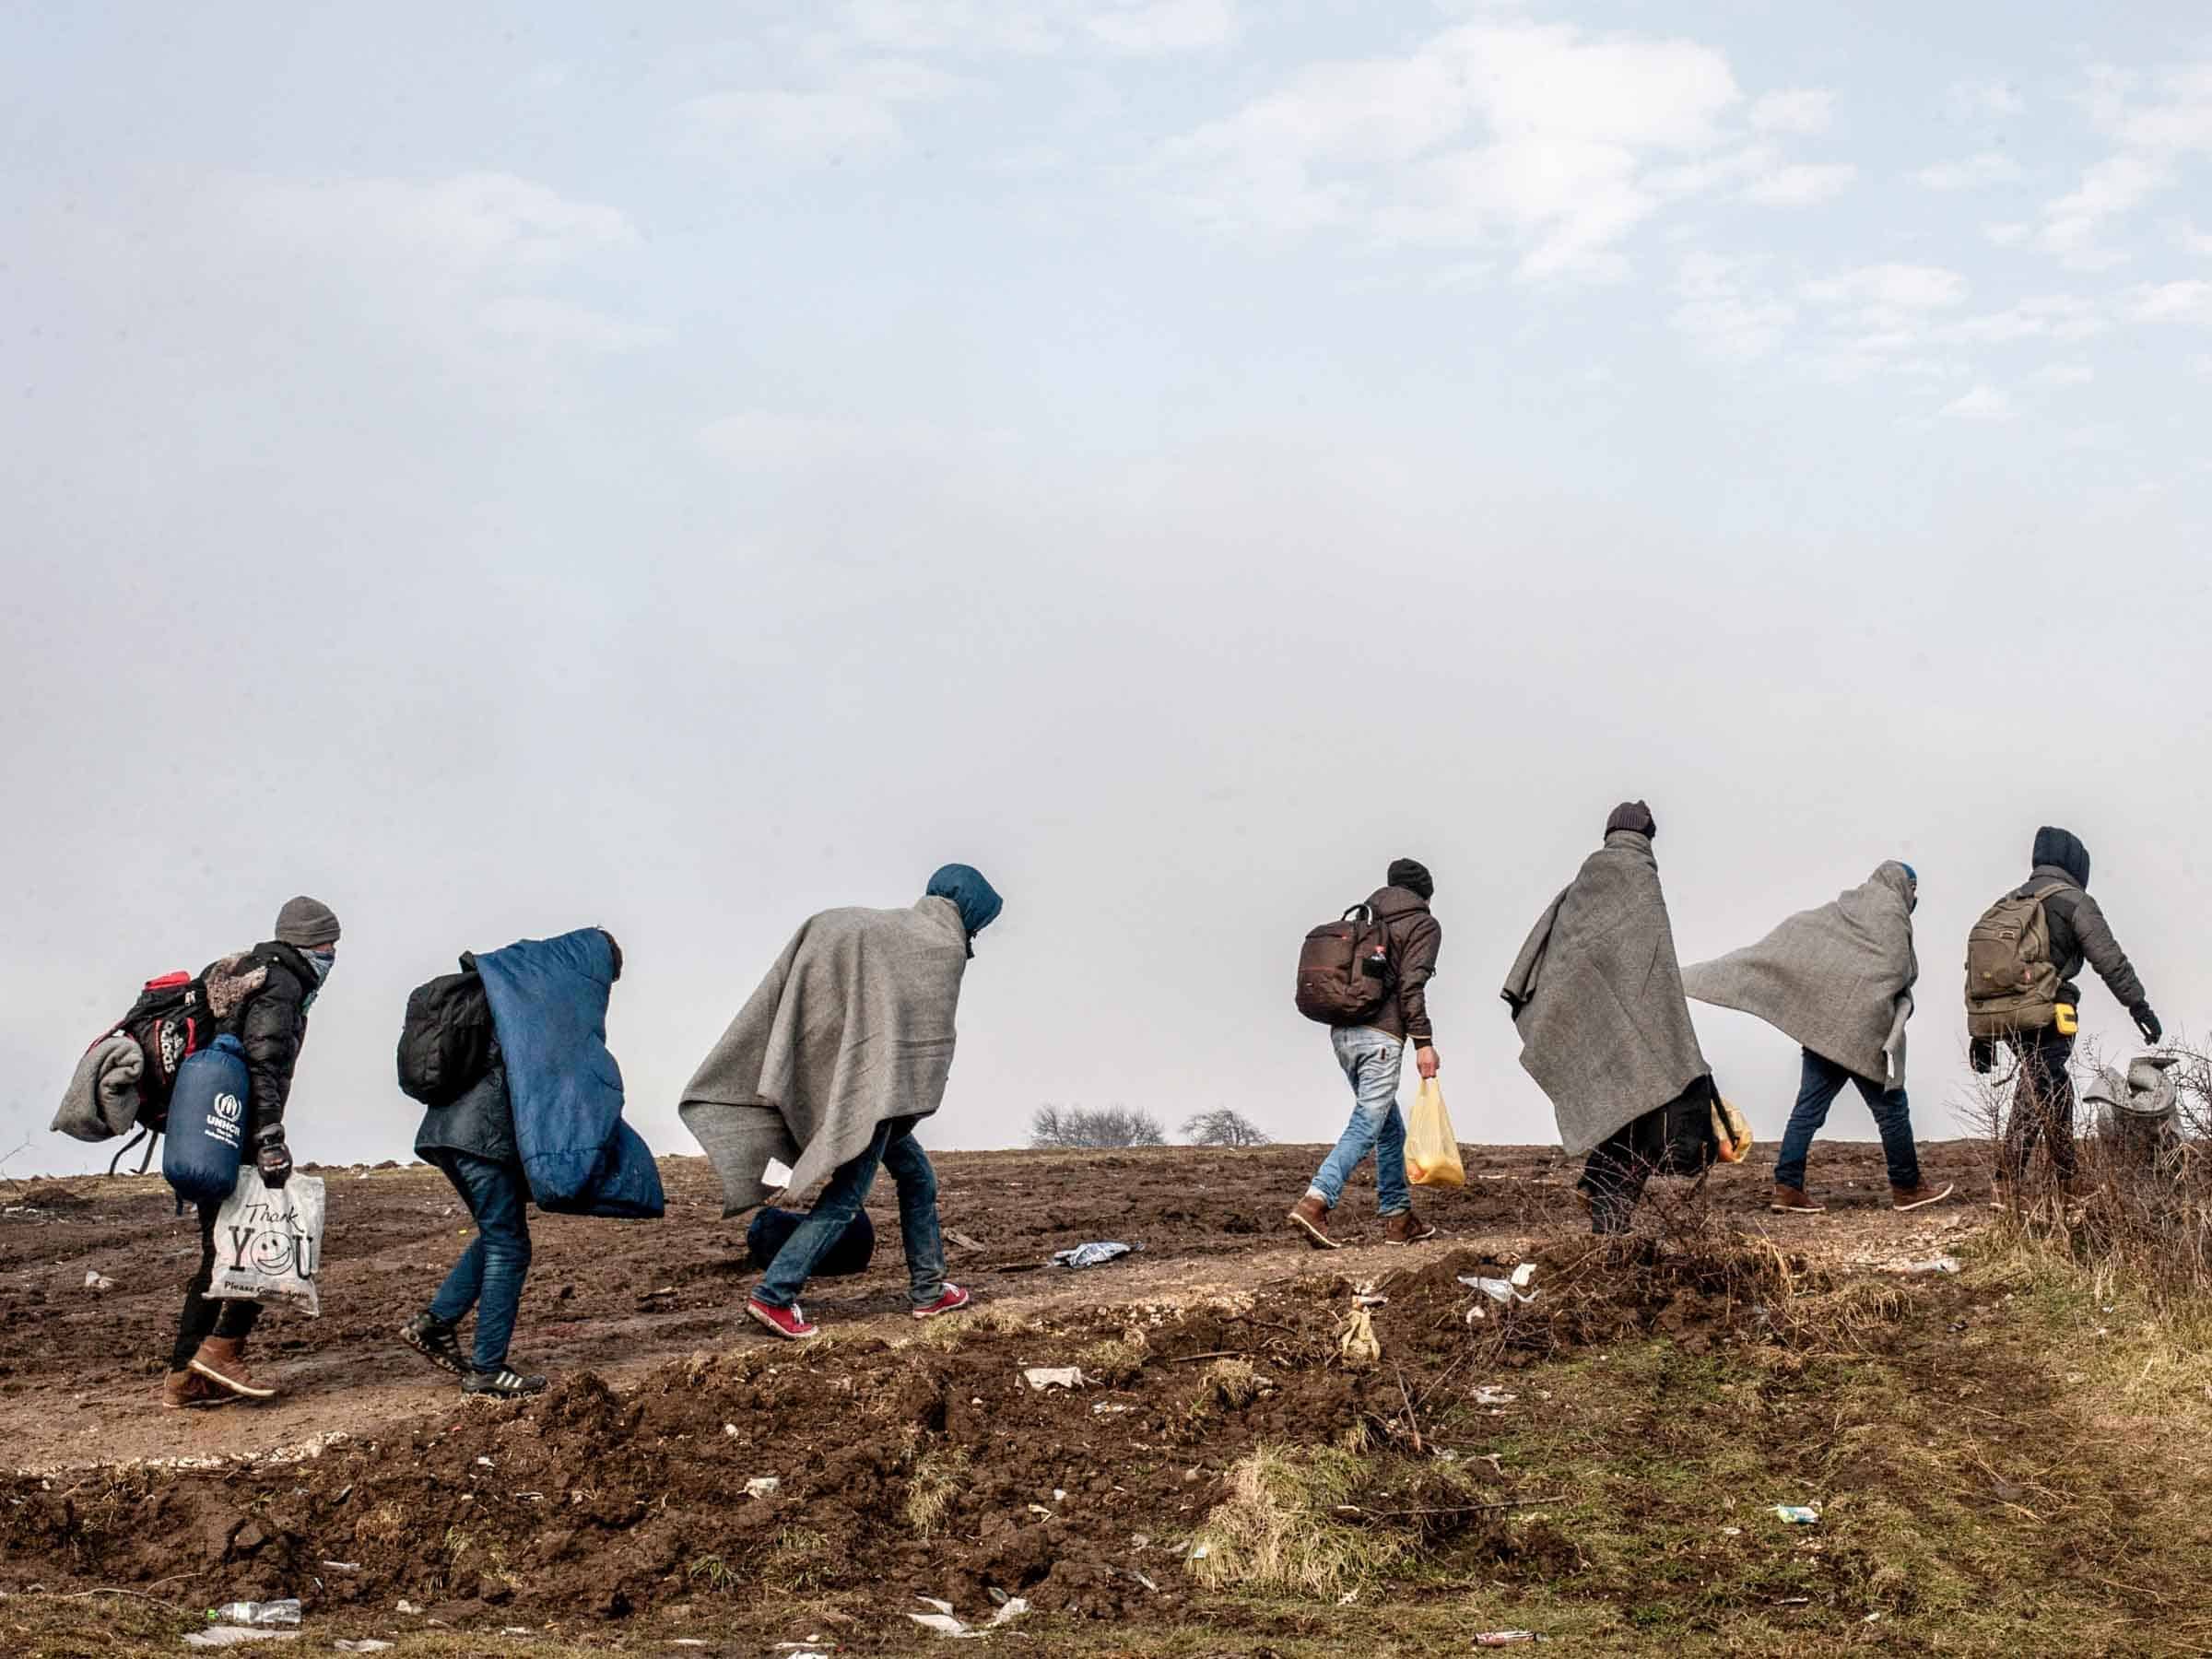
[{"x": 1076, "y": 1127}]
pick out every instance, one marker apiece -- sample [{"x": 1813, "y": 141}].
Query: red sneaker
[
  {"x": 954, "y": 1298},
  {"x": 787, "y": 1322}
]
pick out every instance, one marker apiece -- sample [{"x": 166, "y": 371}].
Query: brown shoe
[
  {"x": 1310, "y": 1217},
  {"x": 222, "y": 1361},
  {"x": 1793, "y": 1201},
  {"x": 1408, "y": 1228},
  {"x": 182, "y": 1389},
  {"x": 1914, "y": 1197}
]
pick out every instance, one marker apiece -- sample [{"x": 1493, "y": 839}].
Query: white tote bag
[{"x": 268, "y": 1242}]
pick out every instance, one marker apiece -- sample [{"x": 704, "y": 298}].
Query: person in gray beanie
[{"x": 259, "y": 996}]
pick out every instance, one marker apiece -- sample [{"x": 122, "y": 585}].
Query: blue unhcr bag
[{"x": 206, "y": 1124}]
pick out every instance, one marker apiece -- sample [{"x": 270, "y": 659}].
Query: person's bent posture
[{"x": 828, "y": 1067}]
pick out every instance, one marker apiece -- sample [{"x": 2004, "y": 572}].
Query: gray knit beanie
[{"x": 307, "y": 924}]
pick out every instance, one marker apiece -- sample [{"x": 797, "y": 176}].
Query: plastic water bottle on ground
[{"x": 259, "y": 1614}]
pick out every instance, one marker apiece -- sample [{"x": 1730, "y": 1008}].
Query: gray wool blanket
[
  {"x": 1596, "y": 995},
  {"x": 852, "y": 1024},
  {"x": 1837, "y": 979},
  {"x": 101, "y": 1101}
]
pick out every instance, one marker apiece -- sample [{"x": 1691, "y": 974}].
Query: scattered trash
[
  {"x": 943, "y": 1622},
  {"x": 1797, "y": 1514},
  {"x": 1732, "y": 1532},
  {"x": 406, "y": 1607},
  {"x": 762, "y": 1486},
  {"x": 1042, "y": 1377},
  {"x": 1110, "y": 1408},
  {"x": 1490, "y": 1394},
  {"x": 1524, "y": 1276},
  {"x": 95, "y": 1280},
  {"x": 1491, "y": 1639},
  {"x": 730, "y": 1429},
  {"x": 1502, "y": 1289},
  {"x": 952, "y": 1236},
  {"x": 1940, "y": 1263},
  {"x": 1359, "y": 1345},
  {"x": 1200, "y": 1551},
  {"x": 222, "y": 1636},
  {"x": 1059, "y": 1494},
  {"x": 257, "y": 1614},
  {"x": 1874, "y": 1617},
  {"x": 1091, "y": 1255},
  {"x": 485, "y": 1463},
  {"x": 1141, "y": 1579},
  {"x": 1348, "y": 1598},
  {"x": 365, "y": 1644},
  {"x": 1369, "y": 1299},
  {"x": 343, "y": 1566}
]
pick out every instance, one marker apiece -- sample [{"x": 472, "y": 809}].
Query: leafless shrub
[
  {"x": 1075, "y": 1128},
  {"x": 1222, "y": 1127}
]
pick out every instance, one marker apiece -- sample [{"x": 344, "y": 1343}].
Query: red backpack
[{"x": 1343, "y": 969}]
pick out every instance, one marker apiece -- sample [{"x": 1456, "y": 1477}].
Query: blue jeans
[
  {"x": 897, "y": 1150},
  {"x": 488, "y": 1276},
  {"x": 1824, "y": 1080},
  {"x": 1371, "y": 1060}
]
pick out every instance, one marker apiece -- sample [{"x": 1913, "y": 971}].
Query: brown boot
[
  {"x": 1310, "y": 1217},
  {"x": 1913, "y": 1197},
  {"x": 181, "y": 1389},
  {"x": 1408, "y": 1228},
  {"x": 1793, "y": 1201},
  {"x": 222, "y": 1361}
]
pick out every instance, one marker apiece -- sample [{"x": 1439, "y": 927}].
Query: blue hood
[
  {"x": 549, "y": 1005},
  {"x": 976, "y": 900}
]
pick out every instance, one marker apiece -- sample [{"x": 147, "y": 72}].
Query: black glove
[
  {"x": 1981, "y": 1053},
  {"x": 2146, "y": 1022},
  {"x": 272, "y": 1158}
]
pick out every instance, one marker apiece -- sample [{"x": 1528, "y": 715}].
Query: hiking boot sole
[
  {"x": 1797, "y": 1210},
  {"x": 1931, "y": 1199},
  {"x": 237, "y": 1390},
  {"x": 1314, "y": 1236},
  {"x": 1421, "y": 1237},
  {"x": 452, "y": 1368}
]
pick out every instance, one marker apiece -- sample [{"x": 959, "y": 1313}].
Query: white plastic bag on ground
[{"x": 268, "y": 1242}]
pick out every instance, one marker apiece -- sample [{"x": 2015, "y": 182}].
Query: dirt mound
[{"x": 49, "y": 1195}]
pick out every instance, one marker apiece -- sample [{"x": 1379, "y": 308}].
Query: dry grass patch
[{"x": 937, "y": 1479}]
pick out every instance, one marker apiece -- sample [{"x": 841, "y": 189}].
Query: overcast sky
[{"x": 501, "y": 470}]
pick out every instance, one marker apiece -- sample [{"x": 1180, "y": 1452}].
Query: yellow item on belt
[{"x": 2063, "y": 1017}]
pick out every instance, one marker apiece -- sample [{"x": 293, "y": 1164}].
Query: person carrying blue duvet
[{"x": 524, "y": 1104}]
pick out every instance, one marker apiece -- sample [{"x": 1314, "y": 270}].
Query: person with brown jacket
[{"x": 1372, "y": 1055}]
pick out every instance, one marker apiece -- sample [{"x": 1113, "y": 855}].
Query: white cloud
[
  {"x": 1891, "y": 287},
  {"x": 2046, "y": 316},
  {"x": 853, "y": 115},
  {"x": 2006, "y": 236},
  {"x": 1989, "y": 167},
  {"x": 1800, "y": 110},
  {"x": 2157, "y": 122},
  {"x": 2114, "y": 186},
  {"x": 562, "y": 323},
  {"x": 468, "y": 224},
  {"x": 1800, "y": 186},
  {"x": 2195, "y": 240},
  {"x": 2075, "y": 373},
  {"x": 1983, "y": 403},
  {"x": 1535, "y": 134},
  {"x": 1975, "y": 100},
  {"x": 2172, "y": 303},
  {"x": 1150, "y": 26}
]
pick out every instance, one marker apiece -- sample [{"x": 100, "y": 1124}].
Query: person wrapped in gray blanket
[
  {"x": 828, "y": 1067},
  {"x": 1596, "y": 995}
]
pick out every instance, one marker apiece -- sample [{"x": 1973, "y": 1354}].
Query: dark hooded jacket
[
  {"x": 1416, "y": 938},
  {"x": 2078, "y": 930},
  {"x": 270, "y": 1023}
]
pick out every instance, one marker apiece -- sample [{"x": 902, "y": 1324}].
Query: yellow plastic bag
[
  {"x": 1431, "y": 1150},
  {"x": 1733, "y": 1130}
]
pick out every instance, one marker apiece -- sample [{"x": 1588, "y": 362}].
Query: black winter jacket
[
  {"x": 1416, "y": 938},
  {"x": 270, "y": 1025},
  {"x": 2079, "y": 933}
]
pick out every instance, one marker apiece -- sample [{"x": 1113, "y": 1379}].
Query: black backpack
[
  {"x": 445, "y": 1045},
  {"x": 1343, "y": 969}
]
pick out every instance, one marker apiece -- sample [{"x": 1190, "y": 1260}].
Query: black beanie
[
  {"x": 1632, "y": 815},
  {"x": 1413, "y": 876}
]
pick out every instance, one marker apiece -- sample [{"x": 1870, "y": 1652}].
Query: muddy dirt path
[{"x": 78, "y": 1382}]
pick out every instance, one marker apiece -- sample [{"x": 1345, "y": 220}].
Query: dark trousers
[
  {"x": 204, "y": 1315},
  {"x": 1673, "y": 1139},
  {"x": 1823, "y": 1081},
  {"x": 489, "y": 1274},
  {"x": 2042, "y": 1103}
]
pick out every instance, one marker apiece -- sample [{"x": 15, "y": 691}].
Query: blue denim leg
[
  {"x": 1371, "y": 1060},
  {"x": 1893, "y": 1121},
  {"x": 492, "y": 1271},
  {"x": 847, "y": 1190},
  {"x": 1823, "y": 1080},
  {"x": 909, "y": 1165}
]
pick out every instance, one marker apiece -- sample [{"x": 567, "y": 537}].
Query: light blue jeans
[{"x": 1371, "y": 1060}]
